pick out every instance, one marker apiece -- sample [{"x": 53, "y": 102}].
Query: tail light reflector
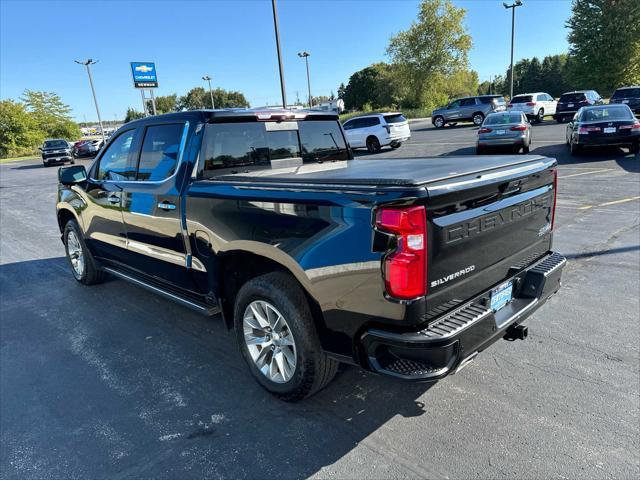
[
  {"x": 555, "y": 197},
  {"x": 518, "y": 128},
  {"x": 484, "y": 130},
  {"x": 405, "y": 269},
  {"x": 589, "y": 129}
]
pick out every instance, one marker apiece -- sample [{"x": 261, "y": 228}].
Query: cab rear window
[{"x": 238, "y": 147}]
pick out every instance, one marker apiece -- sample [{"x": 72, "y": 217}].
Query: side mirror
[
  {"x": 72, "y": 175},
  {"x": 40, "y": 148}
]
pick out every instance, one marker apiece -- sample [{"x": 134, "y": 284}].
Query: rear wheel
[
  {"x": 83, "y": 266},
  {"x": 277, "y": 337},
  {"x": 525, "y": 149},
  {"x": 373, "y": 145},
  {"x": 479, "y": 150},
  {"x": 540, "y": 116},
  {"x": 395, "y": 145},
  {"x": 635, "y": 148},
  {"x": 574, "y": 148},
  {"x": 438, "y": 122},
  {"x": 478, "y": 118}
]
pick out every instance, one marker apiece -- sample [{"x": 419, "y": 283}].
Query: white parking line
[{"x": 586, "y": 173}]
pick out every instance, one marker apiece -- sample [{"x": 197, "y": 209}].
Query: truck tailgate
[{"x": 483, "y": 228}]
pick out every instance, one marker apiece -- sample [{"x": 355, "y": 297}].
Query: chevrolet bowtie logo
[{"x": 143, "y": 68}]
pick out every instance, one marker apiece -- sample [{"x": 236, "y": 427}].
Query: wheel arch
[
  {"x": 65, "y": 214},
  {"x": 237, "y": 267}
]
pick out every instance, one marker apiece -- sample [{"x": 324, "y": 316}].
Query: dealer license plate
[
  {"x": 610, "y": 130},
  {"x": 501, "y": 295}
]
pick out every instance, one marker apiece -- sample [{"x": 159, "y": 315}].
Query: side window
[
  {"x": 115, "y": 162},
  {"x": 455, "y": 104},
  {"x": 349, "y": 125},
  {"x": 372, "y": 121},
  {"x": 160, "y": 150},
  {"x": 541, "y": 98},
  {"x": 467, "y": 102}
]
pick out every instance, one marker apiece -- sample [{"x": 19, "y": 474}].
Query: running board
[{"x": 193, "y": 305}]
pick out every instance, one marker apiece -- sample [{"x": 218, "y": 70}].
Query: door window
[
  {"x": 467, "y": 102},
  {"x": 455, "y": 104},
  {"x": 160, "y": 150},
  {"x": 115, "y": 163}
]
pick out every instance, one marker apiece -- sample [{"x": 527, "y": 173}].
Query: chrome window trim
[{"x": 183, "y": 141}]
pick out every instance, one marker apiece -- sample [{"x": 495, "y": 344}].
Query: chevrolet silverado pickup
[{"x": 405, "y": 267}]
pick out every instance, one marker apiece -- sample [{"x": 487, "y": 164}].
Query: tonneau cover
[{"x": 404, "y": 172}]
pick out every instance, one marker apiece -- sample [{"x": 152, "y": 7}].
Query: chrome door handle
[
  {"x": 166, "y": 206},
  {"x": 114, "y": 199}
]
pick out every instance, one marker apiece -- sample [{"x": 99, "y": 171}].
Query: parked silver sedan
[{"x": 504, "y": 129}]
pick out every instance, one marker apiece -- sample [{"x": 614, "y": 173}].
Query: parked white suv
[
  {"x": 534, "y": 105},
  {"x": 377, "y": 130}
]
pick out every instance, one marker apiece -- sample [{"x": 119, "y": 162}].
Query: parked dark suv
[
  {"x": 571, "y": 102},
  {"x": 628, "y": 95},
  {"x": 468, "y": 109}
]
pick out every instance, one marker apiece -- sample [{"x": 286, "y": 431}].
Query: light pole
[
  {"x": 518, "y": 3},
  {"x": 208, "y": 79},
  {"x": 87, "y": 63},
  {"x": 306, "y": 56},
  {"x": 277, "y": 30}
]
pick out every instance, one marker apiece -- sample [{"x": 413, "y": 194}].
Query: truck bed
[{"x": 398, "y": 172}]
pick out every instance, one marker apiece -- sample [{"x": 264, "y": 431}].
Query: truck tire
[
  {"x": 277, "y": 337},
  {"x": 83, "y": 266}
]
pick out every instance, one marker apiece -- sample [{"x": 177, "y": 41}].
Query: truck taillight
[
  {"x": 405, "y": 269},
  {"x": 555, "y": 197}
]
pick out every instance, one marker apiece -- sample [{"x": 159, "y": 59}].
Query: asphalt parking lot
[{"x": 113, "y": 382}]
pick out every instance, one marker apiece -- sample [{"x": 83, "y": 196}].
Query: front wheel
[
  {"x": 83, "y": 266},
  {"x": 277, "y": 337}
]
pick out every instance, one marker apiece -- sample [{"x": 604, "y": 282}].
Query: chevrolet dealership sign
[{"x": 144, "y": 75}]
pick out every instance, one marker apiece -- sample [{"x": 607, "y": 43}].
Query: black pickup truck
[{"x": 406, "y": 267}]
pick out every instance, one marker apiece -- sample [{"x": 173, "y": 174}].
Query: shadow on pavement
[
  {"x": 115, "y": 380},
  {"x": 599, "y": 253}
]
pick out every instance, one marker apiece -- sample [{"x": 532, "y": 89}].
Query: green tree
[
  {"x": 51, "y": 115},
  {"x": 374, "y": 85},
  {"x": 604, "y": 43},
  {"x": 195, "y": 99},
  {"x": 320, "y": 99},
  {"x": 199, "y": 98},
  {"x": 19, "y": 133},
  {"x": 132, "y": 114},
  {"x": 165, "y": 104},
  {"x": 436, "y": 45},
  {"x": 341, "y": 90}
]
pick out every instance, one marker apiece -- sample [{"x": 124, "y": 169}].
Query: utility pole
[
  {"x": 277, "y": 30},
  {"x": 306, "y": 55},
  {"x": 87, "y": 63},
  {"x": 513, "y": 6},
  {"x": 207, "y": 78}
]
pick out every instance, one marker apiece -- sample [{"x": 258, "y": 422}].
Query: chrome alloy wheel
[
  {"x": 269, "y": 341},
  {"x": 75, "y": 253}
]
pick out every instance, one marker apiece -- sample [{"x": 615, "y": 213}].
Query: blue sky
[{"x": 233, "y": 41}]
